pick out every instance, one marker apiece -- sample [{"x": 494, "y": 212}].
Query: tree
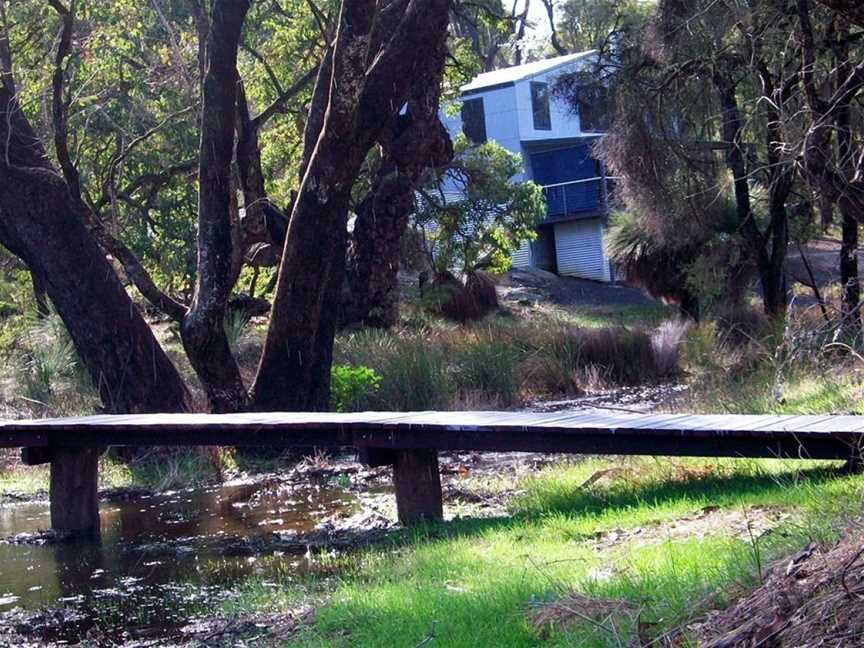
[
  {"x": 830, "y": 151},
  {"x": 415, "y": 141},
  {"x": 695, "y": 122},
  {"x": 219, "y": 251},
  {"x": 42, "y": 221},
  {"x": 475, "y": 211},
  {"x": 360, "y": 100}
]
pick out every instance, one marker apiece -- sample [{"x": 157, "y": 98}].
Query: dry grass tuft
[
  {"x": 578, "y": 608},
  {"x": 814, "y": 599}
]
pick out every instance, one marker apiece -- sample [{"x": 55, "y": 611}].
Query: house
[{"x": 516, "y": 107}]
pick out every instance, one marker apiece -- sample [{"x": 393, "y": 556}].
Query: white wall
[
  {"x": 502, "y": 124},
  {"x": 564, "y": 123}
]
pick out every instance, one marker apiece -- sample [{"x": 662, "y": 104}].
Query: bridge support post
[
  {"x": 418, "y": 486},
  {"x": 74, "y": 491}
]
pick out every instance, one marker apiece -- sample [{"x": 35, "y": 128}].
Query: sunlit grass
[{"x": 472, "y": 582}]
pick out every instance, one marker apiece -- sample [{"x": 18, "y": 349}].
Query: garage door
[{"x": 579, "y": 248}]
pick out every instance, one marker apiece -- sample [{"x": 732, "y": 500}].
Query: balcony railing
[{"x": 566, "y": 199}]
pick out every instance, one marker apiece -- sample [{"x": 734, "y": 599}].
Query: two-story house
[{"x": 517, "y": 108}]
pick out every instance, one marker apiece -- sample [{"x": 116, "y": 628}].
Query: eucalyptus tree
[
  {"x": 832, "y": 78},
  {"x": 706, "y": 98}
]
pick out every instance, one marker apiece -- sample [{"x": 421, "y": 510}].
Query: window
[
  {"x": 474, "y": 120},
  {"x": 540, "y": 106},
  {"x": 593, "y": 102}
]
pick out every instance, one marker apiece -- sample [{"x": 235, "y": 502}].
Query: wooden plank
[{"x": 582, "y": 432}]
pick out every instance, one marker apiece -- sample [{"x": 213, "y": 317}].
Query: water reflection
[{"x": 162, "y": 558}]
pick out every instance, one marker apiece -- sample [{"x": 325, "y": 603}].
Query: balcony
[{"x": 577, "y": 198}]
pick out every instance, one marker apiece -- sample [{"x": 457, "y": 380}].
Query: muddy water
[{"x": 162, "y": 558}]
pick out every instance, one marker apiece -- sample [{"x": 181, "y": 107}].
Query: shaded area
[{"x": 163, "y": 559}]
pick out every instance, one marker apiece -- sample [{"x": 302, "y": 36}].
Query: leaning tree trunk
[
  {"x": 419, "y": 142},
  {"x": 376, "y": 58},
  {"x": 40, "y": 222},
  {"x": 203, "y": 330}
]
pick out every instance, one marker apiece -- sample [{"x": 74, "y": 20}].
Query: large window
[
  {"x": 540, "y": 106},
  {"x": 593, "y": 102},
  {"x": 474, "y": 120}
]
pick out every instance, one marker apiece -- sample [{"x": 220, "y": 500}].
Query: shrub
[
  {"x": 50, "y": 366},
  {"x": 415, "y": 377},
  {"x": 575, "y": 358},
  {"x": 666, "y": 343},
  {"x": 351, "y": 388},
  {"x": 236, "y": 323},
  {"x": 458, "y": 302}
]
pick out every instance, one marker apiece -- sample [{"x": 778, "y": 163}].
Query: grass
[
  {"x": 474, "y": 582},
  {"x": 503, "y": 361},
  {"x": 32, "y": 480}
]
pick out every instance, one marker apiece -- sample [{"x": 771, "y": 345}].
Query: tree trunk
[
  {"x": 42, "y": 224},
  {"x": 203, "y": 330},
  {"x": 376, "y": 59},
  {"x": 372, "y": 298},
  {"x": 851, "y": 286},
  {"x": 294, "y": 372},
  {"x": 116, "y": 345},
  {"x": 419, "y": 141},
  {"x": 849, "y": 282},
  {"x": 770, "y": 265}
]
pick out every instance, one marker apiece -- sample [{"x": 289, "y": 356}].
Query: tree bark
[
  {"x": 848, "y": 154},
  {"x": 769, "y": 264},
  {"x": 40, "y": 224},
  {"x": 372, "y": 72},
  {"x": 203, "y": 331},
  {"x": 419, "y": 141}
]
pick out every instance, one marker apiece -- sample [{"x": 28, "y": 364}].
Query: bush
[
  {"x": 575, "y": 358},
  {"x": 50, "y": 367},
  {"x": 351, "y": 388},
  {"x": 236, "y": 324},
  {"x": 458, "y": 302}
]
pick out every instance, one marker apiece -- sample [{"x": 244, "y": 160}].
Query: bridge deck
[
  {"x": 816, "y": 437},
  {"x": 409, "y": 441}
]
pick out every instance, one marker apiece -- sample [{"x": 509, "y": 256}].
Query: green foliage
[
  {"x": 49, "y": 370},
  {"x": 701, "y": 269},
  {"x": 236, "y": 326},
  {"x": 487, "y": 367},
  {"x": 351, "y": 388},
  {"x": 492, "y": 216}
]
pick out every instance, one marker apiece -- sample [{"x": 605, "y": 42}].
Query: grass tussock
[{"x": 502, "y": 364}]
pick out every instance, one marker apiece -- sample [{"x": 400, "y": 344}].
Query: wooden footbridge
[{"x": 410, "y": 442}]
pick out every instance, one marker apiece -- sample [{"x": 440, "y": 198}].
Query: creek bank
[{"x": 169, "y": 559}]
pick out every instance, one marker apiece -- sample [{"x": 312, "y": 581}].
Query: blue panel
[
  {"x": 567, "y": 165},
  {"x": 563, "y": 165}
]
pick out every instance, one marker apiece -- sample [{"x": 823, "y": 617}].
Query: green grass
[
  {"x": 30, "y": 480},
  {"x": 475, "y": 580}
]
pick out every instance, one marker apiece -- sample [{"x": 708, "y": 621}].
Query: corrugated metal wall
[
  {"x": 579, "y": 248},
  {"x": 522, "y": 257}
]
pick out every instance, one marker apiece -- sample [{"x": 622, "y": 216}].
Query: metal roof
[{"x": 510, "y": 75}]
